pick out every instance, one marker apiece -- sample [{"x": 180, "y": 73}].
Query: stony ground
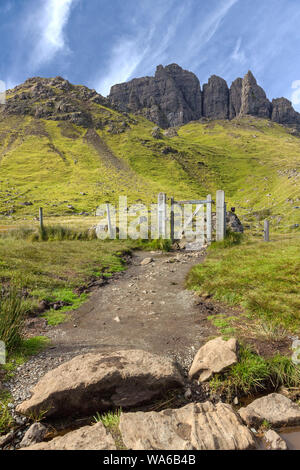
[{"x": 146, "y": 307}]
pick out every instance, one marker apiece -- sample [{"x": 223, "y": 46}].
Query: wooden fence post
[
  {"x": 208, "y": 218},
  {"x": 41, "y": 219},
  {"x": 220, "y": 215},
  {"x": 172, "y": 220},
  {"x": 266, "y": 231},
  {"x": 110, "y": 228},
  {"x": 162, "y": 215}
]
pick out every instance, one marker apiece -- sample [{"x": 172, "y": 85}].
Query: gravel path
[{"x": 146, "y": 307}]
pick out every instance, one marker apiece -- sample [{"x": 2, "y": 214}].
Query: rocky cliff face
[
  {"x": 216, "y": 98},
  {"x": 235, "y": 98},
  {"x": 253, "y": 99},
  {"x": 284, "y": 113},
  {"x": 173, "y": 97}
]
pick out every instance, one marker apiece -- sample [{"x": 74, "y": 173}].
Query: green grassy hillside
[{"x": 70, "y": 169}]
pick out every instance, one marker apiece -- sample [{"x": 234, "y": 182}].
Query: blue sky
[{"x": 102, "y": 42}]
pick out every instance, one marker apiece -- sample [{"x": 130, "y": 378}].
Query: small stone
[
  {"x": 117, "y": 319},
  {"x": 236, "y": 401},
  {"x": 34, "y": 434},
  {"x": 188, "y": 394},
  {"x": 146, "y": 261},
  {"x": 275, "y": 441}
]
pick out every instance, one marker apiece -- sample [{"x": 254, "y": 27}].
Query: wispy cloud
[
  {"x": 125, "y": 57},
  {"x": 154, "y": 44},
  {"x": 130, "y": 52},
  {"x": 295, "y": 97},
  {"x": 207, "y": 28},
  {"x": 238, "y": 54},
  {"x": 49, "y": 23}
]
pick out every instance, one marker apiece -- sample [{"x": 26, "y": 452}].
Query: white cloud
[
  {"x": 128, "y": 53},
  {"x": 238, "y": 54},
  {"x": 49, "y": 23},
  {"x": 295, "y": 97},
  {"x": 208, "y": 28},
  {"x": 124, "y": 59},
  {"x": 150, "y": 45}
]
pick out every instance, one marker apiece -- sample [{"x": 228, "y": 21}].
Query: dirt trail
[
  {"x": 145, "y": 307},
  {"x": 106, "y": 155}
]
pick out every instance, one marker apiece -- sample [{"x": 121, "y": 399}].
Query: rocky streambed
[{"x": 77, "y": 393}]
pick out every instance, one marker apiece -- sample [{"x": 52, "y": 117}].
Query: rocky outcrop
[
  {"x": 275, "y": 408},
  {"x": 235, "y": 98},
  {"x": 94, "y": 437},
  {"x": 214, "y": 357},
  {"x": 254, "y": 100},
  {"x": 171, "y": 98},
  {"x": 284, "y": 113},
  {"x": 197, "y": 426},
  {"x": 57, "y": 99},
  {"x": 233, "y": 223},
  {"x": 216, "y": 98},
  {"x": 96, "y": 382}
]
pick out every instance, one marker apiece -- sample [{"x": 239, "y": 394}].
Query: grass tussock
[
  {"x": 110, "y": 419},
  {"x": 254, "y": 374},
  {"x": 159, "y": 244},
  {"x": 50, "y": 233},
  {"x": 6, "y": 419},
  {"x": 12, "y": 315}
]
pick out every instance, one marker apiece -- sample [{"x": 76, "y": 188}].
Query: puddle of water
[{"x": 291, "y": 437}]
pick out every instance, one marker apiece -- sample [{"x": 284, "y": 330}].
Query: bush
[{"x": 12, "y": 314}]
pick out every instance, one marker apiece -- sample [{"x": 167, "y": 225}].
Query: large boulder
[
  {"x": 197, "y": 426},
  {"x": 214, "y": 357},
  {"x": 276, "y": 409},
  {"x": 96, "y": 382},
  {"x": 88, "y": 438}
]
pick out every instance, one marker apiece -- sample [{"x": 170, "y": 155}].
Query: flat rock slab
[
  {"x": 276, "y": 409},
  {"x": 214, "y": 357},
  {"x": 87, "y": 438},
  {"x": 197, "y": 426},
  {"x": 97, "y": 382}
]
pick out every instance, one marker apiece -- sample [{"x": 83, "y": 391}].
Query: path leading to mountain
[{"x": 146, "y": 307}]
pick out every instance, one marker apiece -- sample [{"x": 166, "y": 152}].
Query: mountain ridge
[{"x": 165, "y": 98}]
